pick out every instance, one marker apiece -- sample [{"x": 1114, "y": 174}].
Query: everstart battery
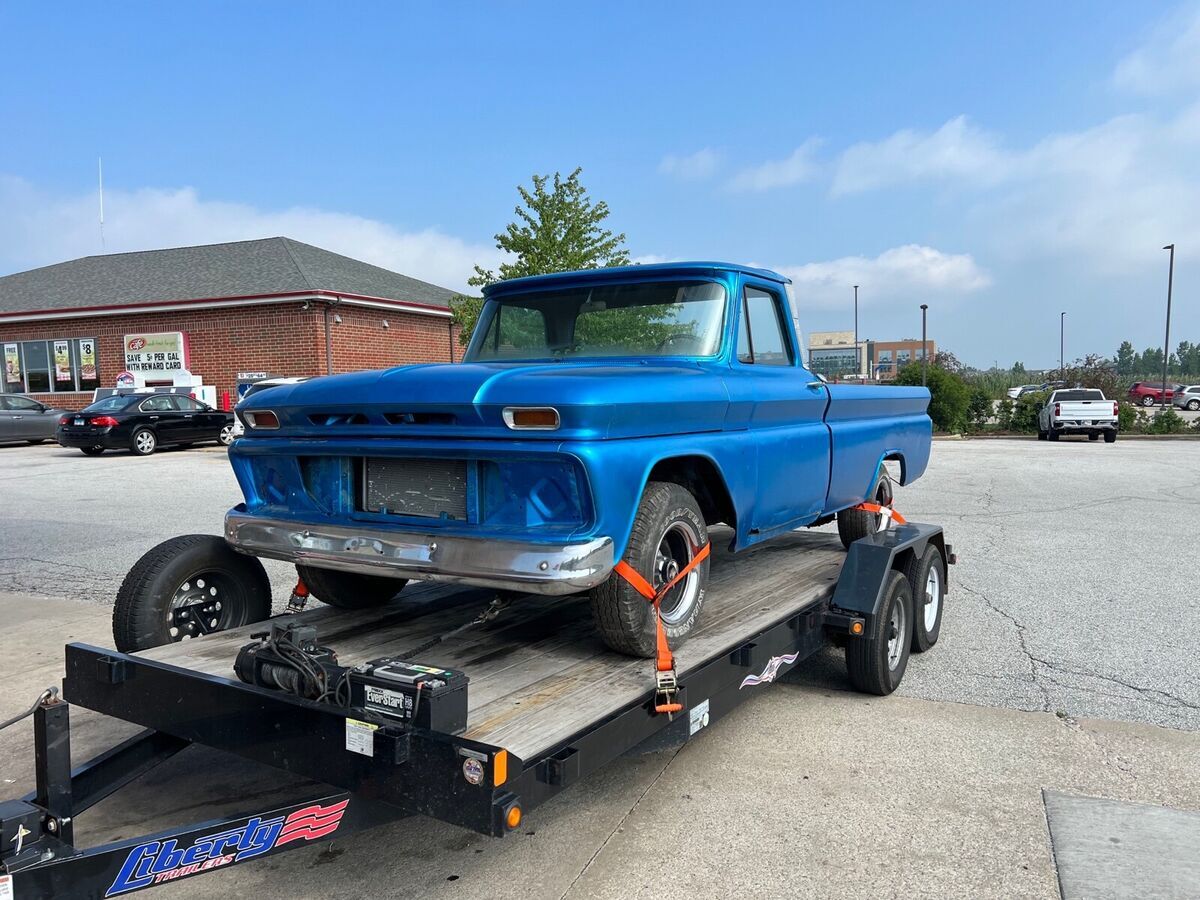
[{"x": 421, "y": 696}]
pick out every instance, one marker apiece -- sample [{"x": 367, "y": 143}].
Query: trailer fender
[{"x": 860, "y": 587}]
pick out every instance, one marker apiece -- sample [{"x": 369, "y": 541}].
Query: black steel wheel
[
  {"x": 876, "y": 661},
  {"x": 350, "y": 590},
  {"x": 668, "y": 532},
  {"x": 856, "y": 523},
  {"x": 187, "y": 587}
]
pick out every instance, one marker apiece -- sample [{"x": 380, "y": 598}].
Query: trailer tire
[
  {"x": 927, "y": 580},
  {"x": 350, "y": 590},
  {"x": 186, "y": 586},
  {"x": 668, "y": 517},
  {"x": 876, "y": 661},
  {"x": 856, "y": 523}
]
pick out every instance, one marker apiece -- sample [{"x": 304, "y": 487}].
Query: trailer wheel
[
  {"x": 186, "y": 587},
  {"x": 876, "y": 661},
  {"x": 927, "y": 580},
  {"x": 856, "y": 523},
  {"x": 350, "y": 590},
  {"x": 667, "y": 532}
]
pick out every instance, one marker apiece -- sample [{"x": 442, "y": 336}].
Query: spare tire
[{"x": 350, "y": 590}]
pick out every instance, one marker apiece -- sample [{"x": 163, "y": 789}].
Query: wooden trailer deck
[{"x": 538, "y": 673}]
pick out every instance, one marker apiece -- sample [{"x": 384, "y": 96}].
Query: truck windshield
[{"x": 661, "y": 318}]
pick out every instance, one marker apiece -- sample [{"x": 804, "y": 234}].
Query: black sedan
[
  {"x": 142, "y": 423},
  {"x": 25, "y": 419}
]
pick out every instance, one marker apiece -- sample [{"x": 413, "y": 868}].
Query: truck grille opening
[
  {"x": 419, "y": 418},
  {"x": 337, "y": 418},
  {"x": 432, "y": 488}
]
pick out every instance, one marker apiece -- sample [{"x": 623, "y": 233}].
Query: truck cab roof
[{"x": 624, "y": 273}]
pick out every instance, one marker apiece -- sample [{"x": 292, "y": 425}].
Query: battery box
[{"x": 416, "y": 695}]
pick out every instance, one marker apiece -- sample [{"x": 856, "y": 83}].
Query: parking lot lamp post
[
  {"x": 924, "y": 344},
  {"x": 1162, "y": 402},
  {"x": 1062, "y": 324},
  {"x": 857, "y": 361}
]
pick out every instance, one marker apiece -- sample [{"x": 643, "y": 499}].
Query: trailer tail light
[
  {"x": 1058, "y": 409},
  {"x": 261, "y": 419},
  {"x": 512, "y": 818},
  {"x": 531, "y": 418},
  {"x": 104, "y": 422}
]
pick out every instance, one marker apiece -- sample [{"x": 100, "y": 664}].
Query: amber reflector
[
  {"x": 500, "y": 768},
  {"x": 542, "y": 417}
]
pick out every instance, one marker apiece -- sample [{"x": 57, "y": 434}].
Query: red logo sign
[{"x": 137, "y": 343}]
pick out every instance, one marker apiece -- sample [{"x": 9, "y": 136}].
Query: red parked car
[{"x": 1148, "y": 393}]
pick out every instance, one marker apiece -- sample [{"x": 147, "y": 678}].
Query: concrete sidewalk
[{"x": 805, "y": 791}]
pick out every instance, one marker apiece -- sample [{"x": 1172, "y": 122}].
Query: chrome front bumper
[{"x": 506, "y": 565}]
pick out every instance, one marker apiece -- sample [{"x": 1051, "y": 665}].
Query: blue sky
[{"x": 1001, "y": 163}]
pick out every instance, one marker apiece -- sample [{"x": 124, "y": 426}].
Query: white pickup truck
[{"x": 1078, "y": 411}]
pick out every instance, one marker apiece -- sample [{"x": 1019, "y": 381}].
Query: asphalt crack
[{"x": 1022, "y": 640}]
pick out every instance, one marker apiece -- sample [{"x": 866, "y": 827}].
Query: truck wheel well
[
  {"x": 703, "y": 479},
  {"x": 899, "y": 459}
]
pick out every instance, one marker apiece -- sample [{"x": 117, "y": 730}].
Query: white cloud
[
  {"x": 694, "y": 167},
  {"x": 1168, "y": 61},
  {"x": 956, "y": 150},
  {"x": 37, "y": 228},
  {"x": 910, "y": 271},
  {"x": 802, "y": 165}
]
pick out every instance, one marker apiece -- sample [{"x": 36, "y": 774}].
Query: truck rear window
[{"x": 1079, "y": 395}]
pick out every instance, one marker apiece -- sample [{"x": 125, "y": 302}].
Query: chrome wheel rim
[
  {"x": 144, "y": 442},
  {"x": 201, "y": 605},
  {"x": 227, "y": 435},
  {"x": 895, "y": 645},
  {"x": 676, "y": 548},
  {"x": 933, "y": 597}
]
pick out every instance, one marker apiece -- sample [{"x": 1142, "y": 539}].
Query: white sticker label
[
  {"x": 6, "y": 888},
  {"x": 360, "y": 738},
  {"x": 697, "y": 717}
]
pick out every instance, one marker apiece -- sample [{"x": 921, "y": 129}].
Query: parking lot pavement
[{"x": 1069, "y": 596}]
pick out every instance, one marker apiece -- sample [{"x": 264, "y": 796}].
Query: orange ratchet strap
[
  {"x": 886, "y": 511},
  {"x": 667, "y": 683}
]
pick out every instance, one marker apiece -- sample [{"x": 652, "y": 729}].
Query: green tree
[
  {"x": 949, "y": 395},
  {"x": 558, "y": 229},
  {"x": 979, "y": 408},
  {"x": 1125, "y": 358}
]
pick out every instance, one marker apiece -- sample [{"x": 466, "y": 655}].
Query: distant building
[
  {"x": 218, "y": 315},
  {"x": 833, "y": 354}
]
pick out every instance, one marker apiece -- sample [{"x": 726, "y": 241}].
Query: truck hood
[{"x": 594, "y": 400}]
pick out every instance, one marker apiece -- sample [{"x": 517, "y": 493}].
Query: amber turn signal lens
[
  {"x": 261, "y": 419},
  {"x": 513, "y": 817},
  {"x": 542, "y": 418},
  {"x": 856, "y": 627}
]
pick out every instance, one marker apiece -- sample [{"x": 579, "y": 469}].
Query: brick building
[
  {"x": 224, "y": 312},
  {"x": 834, "y": 355}
]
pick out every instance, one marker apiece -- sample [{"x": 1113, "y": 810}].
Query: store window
[{"x": 62, "y": 365}]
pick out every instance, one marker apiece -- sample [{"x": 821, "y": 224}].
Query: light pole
[
  {"x": 924, "y": 344},
  {"x": 1167, "y": 339},
  {"x": 1062, "y": 324},
  {"x": 857, "y": 361}
]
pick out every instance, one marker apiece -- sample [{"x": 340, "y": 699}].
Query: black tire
[
  {"x": 927, "y": 580},
  {"x": 350, "y": 590},
  {"x": 185, "y": 587},
  {"x": 1093, "y": 437},
  {"x": 1042, "y": 435},
  {"x": 668, "y": 519},
  {"x": 1148, "y": 401},
  {"x": 1110, "y": 437},
  {"x": 856, "y": 523},
  {"x": 143, "y": 442},
  {"x": 1053, "y": 435},
  {"x": 91, "y": 451},
  {"x": 867, "y": 657},
  {"x": 1193, "y": 405}
]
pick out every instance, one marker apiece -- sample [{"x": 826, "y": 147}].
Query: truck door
[{"x": 784, "y": 407}]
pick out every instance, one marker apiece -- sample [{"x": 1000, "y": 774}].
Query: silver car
[
  {"x": 1187, "y": 398},
  {"x": 25, "y": 419}
]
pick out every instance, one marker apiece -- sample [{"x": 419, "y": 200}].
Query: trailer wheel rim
[
  {"x": 206, "y": 602},
  {"x": 144, "y": 441},
  {"x": 933, "y": 597},
  {"x": 896, "y": 628},
  {"x": 227, "y": 435},
  {"x": 676, "y": 548}
]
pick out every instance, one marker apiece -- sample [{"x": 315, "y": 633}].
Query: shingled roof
[{"x": 276, "y": 265}]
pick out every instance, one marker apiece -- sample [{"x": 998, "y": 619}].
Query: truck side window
[{"x": 761, "y": 337}]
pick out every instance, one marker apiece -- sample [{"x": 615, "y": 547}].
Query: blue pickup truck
[{"x": 597, "y": 416}]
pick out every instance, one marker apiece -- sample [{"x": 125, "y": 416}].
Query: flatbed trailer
[{"x": 547, "y": 704}]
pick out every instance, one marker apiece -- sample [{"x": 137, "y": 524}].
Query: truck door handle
[
  {"x": 153, "y": 417},
  {"x": 813, "y": 385}
]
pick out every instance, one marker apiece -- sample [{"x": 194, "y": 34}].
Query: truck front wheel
[
  {"x": 350, "y": 590},
  {"x": 668, "y": 532}
]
